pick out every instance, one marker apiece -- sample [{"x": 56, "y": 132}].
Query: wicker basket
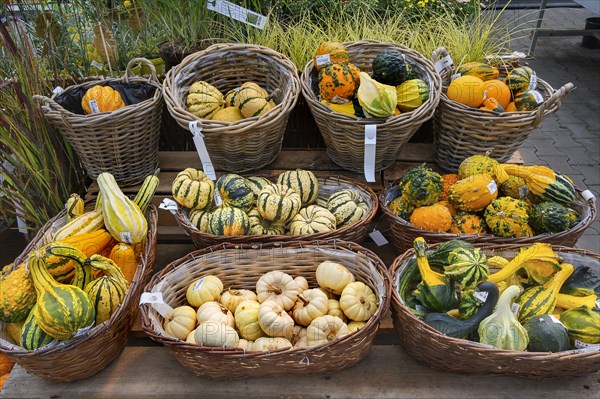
[
  {"x": 461, "y": 131},
  {"x": 123, "y": 142},
  {"x": 327, "y": 185},
  {"x": 87, "y": 354},
  {"x": 402, "y": 233},
  {"x": 240, "y": 266},
  {"x": 441, "y": 352},
  {"x": 344, "y": 135},
  {"x": 251, "y": 143}
]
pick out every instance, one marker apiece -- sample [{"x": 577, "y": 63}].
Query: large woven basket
[
  {"x": 251, "y": 143},
  {"x": 402, "y": 233},
  {"x": 441, "y": 352},
  {"x": 461, "y": 131},
  {"x": 86, "y": 354},
  {"x": 240, "y": 266},
  {"x": 123, "y": 142},
  {"x": 344, "y": 135},
  {"x": 327, "y": 185}
]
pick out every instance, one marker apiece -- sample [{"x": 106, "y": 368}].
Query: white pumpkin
[
  {"x": 216, "y": 312},
  {"x": 333, "y": 309},
  {"x": 268, "y": 344},
  {"x": 213, "y": 333},
  {"x": 354, "y": 326},
  {"x": 246, "y": 320},
  {"x": 302, "y": 283},
  {"x": 298, "y": 334},
  {"x": 310, "y": 305},
  {"x": 333, "y": 276},
  {"x": 245, "y": 345},
  {"x": 274, "y": 320},
  {"x": 325, "y": 329},
  {"x": 358, "y": 301},
  {"x": 232, "y": 298},
  {"x": 180, "y": 321},
  {"x": 191, "y": 337},
  {"x": 279, "y": 287},
  {"x": 205, "y": 289}
]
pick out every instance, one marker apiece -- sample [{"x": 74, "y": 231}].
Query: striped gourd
[
  {"x": 32, "y": 336},
  {"x": 544, "y": 183},
  {"x": 521, "y": 78},
  {"x": 86, "y": 223},
  {"x": 74, "y": 207},
  {"x": 528, "y": 100},
  {"x": 263, "y": 227},
  {"x": 204, "y": 100},
  {"x": 347, "y": 206},
  {"x": 312, "y": 219},
  {"x": 583, "y": 325},
  {"x": 61, "y": 310},
  {"x": 228, "y": 221},
  {"x": 200, "y": 218},
  {"x": 478, "y": 69},
  {"x": 17, "y": 295},
  {"x": 122, "y": 217},
  {"x": 146, "y": 192},
  {"x": 124, "y": 256},
  {"x": 278, "y": 203},
  {"x": 257, "y": 183},
  {"x": 89, "y": 243},
  {"x": 234, "y": 191},
  {"x": 193, "y": 189},
  {"x": 106, "y": 294},
  {"x": 230, "y": 97},
  {"x": 109, "y": 268},
  {"x": 541, "y": 299},
  {"x": 66, "y": 264},
  {"x": 304, "y": 182}
]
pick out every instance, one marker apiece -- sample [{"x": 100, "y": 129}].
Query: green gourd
[
  {"x": 467, "y": 267},
  {"x": 583, "y": 282},
  {"x": 421, "y": 186},
  {"x": 546, "y": 334},
  {"x": 32, "y": 336}
]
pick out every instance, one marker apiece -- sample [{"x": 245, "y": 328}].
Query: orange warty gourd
[
  {"x": 337, "y": 53},
  {"x": 467, "y": 224},
  {"x": 434, "y": 217},
  {"x": 448, "y": 205},
  {"x": 510, "y": 107},
  {"x": 449, "y": 179},
  {"x": 499, "y": 90},
  {"x": 107, "y": 99},
  {"x": 336, "y": 80},
  {"x": 467, "y": 90},
  {"x": 491, "y": 104}
]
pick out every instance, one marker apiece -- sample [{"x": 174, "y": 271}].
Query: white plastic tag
[
  {"x": 484, "y": 95},
  {"x": 322, "y": 59},
  {"x": 538, "y": 96},
  {"x": 22, "y": 226},
  {"x": 481, "y": 296},
  {"x": 515, "y": 308},
  {"x": 155, "y": 300},
  {"x": 207, "y": 165},
  {"x": 555, "y": 320},
  {"x": 523, "y": 192},
  {"x": 236, "y": 12},
  {"x": 378, "y": 238},
  {"x": 420, "y": 308},
  {"x": 455, "y": 76},
  {"x": 94, "y": 107},
  {"x": 587, "y": 195},
  {"x": 598, "y": 303},
  {"x": 443, "y": 63},
  {"x": 96, "y": 64},
  {"x": 171, "y": 206},
  {"x": 126, "y": 237},
  {"x": 370, "y": 146},
  {"x": 218, "y": 199},
  {"x": 533, "y": 82},
  {"x": 492, "y": 187},
  {"x": 57, "y": 90},
  {"x": 198, "y": 284},
  {"x": 305, "y": 361},
  {"x": 84, "y": 330},
  {"x": 583, "y": 345}
]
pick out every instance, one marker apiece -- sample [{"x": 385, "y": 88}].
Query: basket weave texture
[
  {"x": 344, "y": 135},
  {"x": 87, "y": 354},
  {"x": 461, "y": 131},
  {"x": 123, "y": 142},
  {"x": 327, "y": 185},
  {"x": 240, "y": 266},
  {"x": 441, "y": 352},
  {"x": 251, "y": 143},
  {"x": 402, "y": 233}
]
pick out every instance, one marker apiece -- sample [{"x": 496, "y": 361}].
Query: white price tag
[
  {"x": 198, "y": 284},
  {"x": 169, "y": 205},
  {"x": 218, "y": 199},
  {"x": 555, "y": 320},
  {"x": 378, "y": 238},
  {"x": 126, "y": 237},
  {"x": 370, "y": 146},
  {"x": 538, "y": 96},
  {"x": 96, "y": 64},
  {"x": 443, "y": 63},
  {"x": 533, "y": 82},
  {"x": 155, "y": 300},
  {"x": 207, "y": 165},
  {"x": 420, "y": 308},
  {"x": 481, "y": 296},
  {"x": 455, "y": 76},
  {"x": 484, "y": 95},
  {"x": 94, "y": 106},
  {"x": 587, "y": 195},
  {"x": 583, "y": 345},
  {"x": 492, "y": 187},
  {"x": 515, "y": 308},
  {"x": 598, "y": 303},
  {"x": 236, "y": 12},
  {"x": 322, "y": 59},
  {"x": 57, "y": 90}
]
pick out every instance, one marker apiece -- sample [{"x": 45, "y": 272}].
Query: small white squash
[
  {"x": 232, "y": 298},
  {"x": 205, "y": 289},
  {"x": 245, "y": 345},
  {"x": 325, "y": 329},
  {"x": 279, "y": 287},
  {"x": 358, "y": 301},
  {"x": 180, "y": 321},
  {"x": 191, "y": 337},
  {"x": 333, "y": 276},
  {"x": 302, "y": 283},
  {"x": 310, "y": 305},
  {"x": 333, "y": 309},
  {"x": 356, "y": 325},
  {"x": 274, "y": 320},
  {"x": 246, "y": 320},
  {"x": 216, "y": 312},
  {"x": 330, "y": 295},
  {"x": 213, "y": 333},
  {"x": 268, "y": 344}
]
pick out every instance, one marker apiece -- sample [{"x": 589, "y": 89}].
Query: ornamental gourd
[
  {"x": 74, "y": 207},
  {"x": 550, "y": 217},
  {"x": 212, "y": 333},
  {"x": 311, "y": 304},
  {"x": 400, "y": 207},
  {"x": 467, "y": 90},
  {"x": 200, "y": 218},
  {"x": 389, "y": 67},
  {"x": 146, "y": 192},
  {"x": 278, "y": 287},
  {"x": 106, "y": 99},
  {"x": 274, "y": 320},
  {"x": 476, "y": 164},
  {"x": 32, "y": 336},
  {"x": 467, "y": 223},
  {"x": 270, "y": 344},
  {"x": 358, "y": 301},
  {"x": 473, "y": 193},
  {"x": 231, "y": 298},
  {"x": 435, "y": 217},
  {"x": 333, "y": 276},
  {"x": 546, "y": 335},
  {"x": 521, "y": 78},
  {"x": 17, "y": 295},
  {"x": 539, "y": 261},
  {"x": 180, "y": 321},
  {"x": 449, "y": 179},
  {"x": 311, "y": 220},
  {"x": 347, "y": 206},
  {"x": 278, "y": 203},
  {"x": 234, "y": 191},
  {"x": 421, "y": 186},
  {"x": 253, "y": 100},
  {"x": 257, "y": 183},
  {"x": 583, "y": 325},
  {"x": 467, "y": 267},
  {"x": 304, "y": 182},
  {"x": 261, "y": 226},
  {"x": 193, "y": 189},
  {"x": 325, "y": 329},
  {"x": 246, "y": 320},
  {"x": 87, "y": 223},
  {"x": 214, "y": 311},
  {"x": 204, "y": 100},
  {"x": 336, "y": 82},
  {"x": 328, "y": 52},
  {"x": 107, "y": 295},
  {"x": 376, "y": 99},
  {"x": 528, "y": 100},
  {"x": 411, "y": 94},
  {"x": 334, "y": 309},
  {"x": 544, "y": 183},
  {"x": 57, "y": 253},
  {"x": 124, "y": 256},
  {"x": 228, "y": 221},
  {"x": 507, "y": 217},
  {"x": 204, "y": 289},
  {"x": 480, "y": 70}
]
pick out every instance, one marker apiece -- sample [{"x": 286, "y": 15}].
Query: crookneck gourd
[
  {"x": 83, "y": 275},
  {"x": 539, "y": 261}
]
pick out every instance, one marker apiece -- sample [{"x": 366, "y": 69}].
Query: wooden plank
[{"x": 386, "y": 372}]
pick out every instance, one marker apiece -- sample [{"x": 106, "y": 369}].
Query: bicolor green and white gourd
[
  {"x": 228, "y": 221},
  {"x": 234, "y": 191},
  {"x": 467, "y": 267},
  {"x": 200, "y": 218},
  {"x": 304, "y": 182},
  {"x": 257, "y": 183},
  {"x": 261, "y": 226},
  {"x": 311, "y": 220},
  {"x": 347, "y": 206},
  {"x": 193, "y": 189},
  {"x": 278, "y": 203},
  {"x": 32, "y": 336}
]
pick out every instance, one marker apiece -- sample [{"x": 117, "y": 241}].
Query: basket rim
[
  {"x": 336, "y": 244},
  {"x": 399, "y": 265}
]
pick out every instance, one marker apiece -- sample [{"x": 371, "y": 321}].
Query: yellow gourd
[
  {"x": 333, "y": 276},
  {"x": 204, "y": 289},
  {"x": 180, "y": 321}
]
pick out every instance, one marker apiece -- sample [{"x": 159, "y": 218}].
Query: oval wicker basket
[
  {"x": 344, "y": 135},
  {"x": 123, "y": 142},
  {"x": 402, "y": 233},
  {"x": 90, "y": 352},
  {"x": 441, "y": 352},
  {"x": 327, "y": 185},
  {"x": 251, "y": 143},
  {"x": 240, "y": 266},
  {"x": 461, "y": 131}
]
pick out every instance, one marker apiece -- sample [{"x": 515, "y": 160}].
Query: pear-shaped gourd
[
  {"x": 61, "y": 310},
  {"x": 377, "y": 100},
  {"x": 83, "y": 275},
  {"x": 106, "y": 292}
]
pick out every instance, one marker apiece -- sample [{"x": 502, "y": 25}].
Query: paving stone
[
  {"x": 545, "y": 146},
  {"x": 562, "y": 140},
  {"x": 579, "y": 156},
  {"x": 560, "y": 163},
  {"x": 578, "y": 180},
  {"x": 580, "y": 131},
  {"x": 529, "y": 156},
  {"x": 590, "y": 242},
  {"x": 591, "y": 174}
]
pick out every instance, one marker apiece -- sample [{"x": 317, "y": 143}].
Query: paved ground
[{"x": 568, "y": 140}]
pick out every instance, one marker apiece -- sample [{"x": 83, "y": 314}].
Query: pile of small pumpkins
[
  {"x": 282, "y": 312},
  {"x": 505, "y": 200},
  {"x": 477, "y": 85},
  {"x": 250, "y": 99},
  {"x": 238, "y": 206},
  {"x": 391, "y": 88}
]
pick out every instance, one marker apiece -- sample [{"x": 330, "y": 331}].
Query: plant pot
[{"x": 591, "y": 41}]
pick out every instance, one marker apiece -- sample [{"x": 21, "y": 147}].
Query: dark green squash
[
  {"x": 389, "y": 68},
  {"x": 583, "y": 282},
  {"x": 550, "y": 217},
  {"x": 421, "y": 186},
  {"x": 546, "y": 335}
]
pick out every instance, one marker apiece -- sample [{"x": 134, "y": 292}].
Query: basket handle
[
  {"x": 47, "y": 101},
  {"x": 145, "y": 61},
  {"x": 555, "y": 99}
]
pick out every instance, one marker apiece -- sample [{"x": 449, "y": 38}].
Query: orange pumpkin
[
  {"x": 330, "y": 52},
  {"x": 467, "y": 223},
  {"x": 497, "y": 89},
  {"x": 124, "y": 256},
  {"x": 434, "y": 217},
  {"x": 448, "y": 205},
  {"x": 449, "y": 179},
  {"x": 107, "y": 99},
  {"x": 510, "y": 107},
  {"x": 336, "y": 82},
  {"x": 491, "y": 104}
]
